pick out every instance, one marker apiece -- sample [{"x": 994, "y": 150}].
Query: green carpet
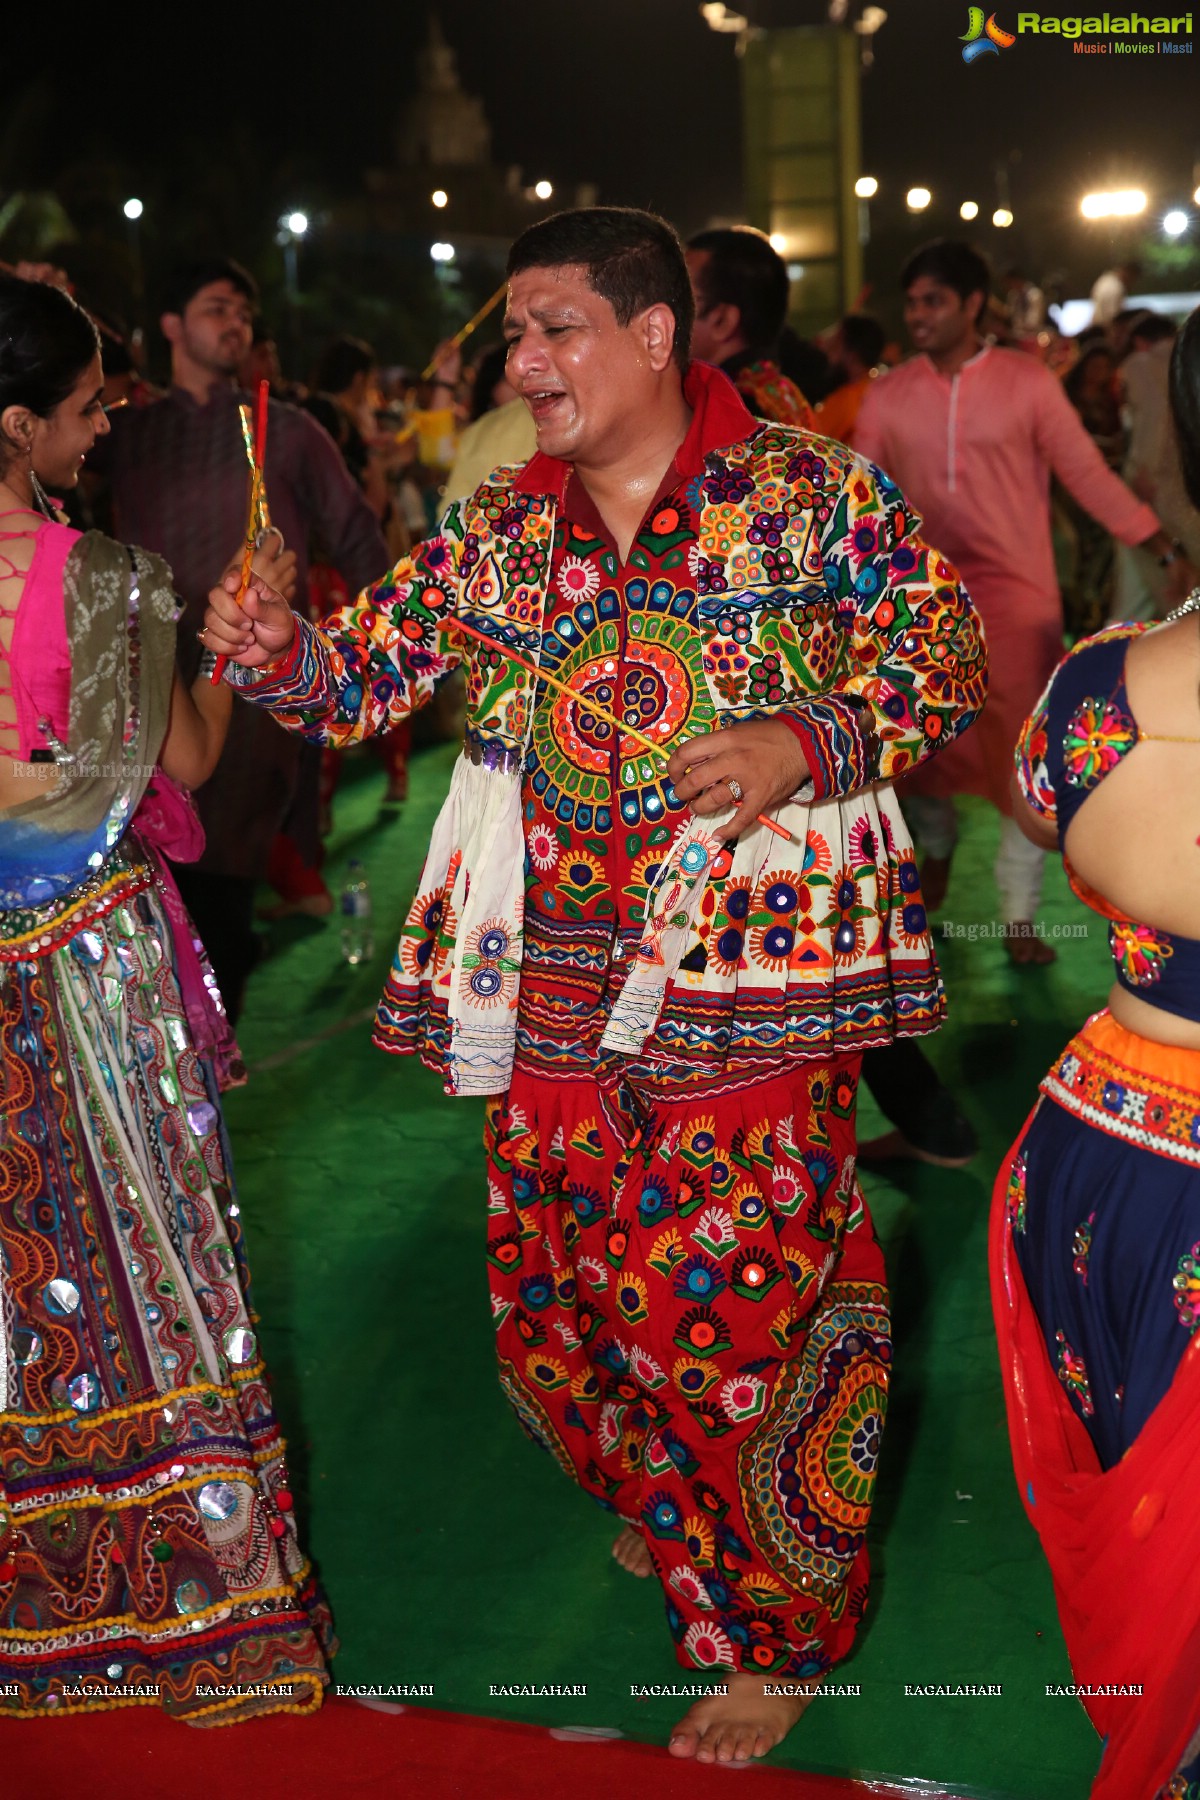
[{"x": 454, "y": 1552}]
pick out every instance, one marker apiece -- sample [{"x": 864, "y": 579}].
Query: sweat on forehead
[{"x": 554, "y": 296}]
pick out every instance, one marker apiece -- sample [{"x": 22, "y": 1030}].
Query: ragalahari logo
[{"x": 983, "y": 37}]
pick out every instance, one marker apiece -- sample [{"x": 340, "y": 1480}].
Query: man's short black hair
[
  {"x": 865, "y": 337},
  {"x": 633, "y": 260},
  {"x": 340, "y": 362},
  {"x": 743, "y": 270},
  {"x": 1149, "y": 327},
  {"x": 951, "y": 264},
  {"x": 187, "y": 279}
]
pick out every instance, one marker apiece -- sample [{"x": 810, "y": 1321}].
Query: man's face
[
  {"x": 708, "y": 336},
  {"x": 834, "y": 345},
  {"x": 216, "y": 328},
  {"x": 938, "y": 320},
  {"x": 586, "y": 380}
]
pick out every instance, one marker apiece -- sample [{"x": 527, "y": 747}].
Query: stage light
[
  {"x": 1122, "y": 203},
  {"x": 1175, "y": 223},
  {"x": 719, "y": 17},
  {"x": 440, "y": 197},
  {"x": 866, "y": 187},
  {"x": 297, "y": 223},
  {"x": 133, "y": 209},
  {"x": 917, "y": 199},
  {"x": 1002, "y": 218},
  {"x": 969, "y": 209},
  {"x": 543, "y": 190},
  {"x": 442, "y": 253}
]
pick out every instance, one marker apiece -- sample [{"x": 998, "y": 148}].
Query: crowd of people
[{"x": 727, "y": 623}]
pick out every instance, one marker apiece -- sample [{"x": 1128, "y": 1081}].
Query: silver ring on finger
[
  {"x": 202, "y": 635},
  {"x": 735, "y": 788}
]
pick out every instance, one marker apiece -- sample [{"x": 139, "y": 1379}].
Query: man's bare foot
[
  {"x": 935, "y": 879},
  {"x": 1025, "y": 947},
  {"x": 631, "y": 1552},
  {"x": 746, "y": 1722}
]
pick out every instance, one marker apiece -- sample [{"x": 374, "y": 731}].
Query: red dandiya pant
[{"x": 691, "y": 1316}]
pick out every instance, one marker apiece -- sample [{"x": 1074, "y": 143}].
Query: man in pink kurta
[{"x": 972, "y": 434}]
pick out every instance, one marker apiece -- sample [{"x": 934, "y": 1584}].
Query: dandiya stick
[
  {"x": 601, "y": 712},
  {"x": 257, "y": 518},
  {"x": 460, "y": 337}
]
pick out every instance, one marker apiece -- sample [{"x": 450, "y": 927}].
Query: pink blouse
[{"x": 39, "y": 662}]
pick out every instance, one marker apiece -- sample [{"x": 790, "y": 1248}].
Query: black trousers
[
  {"x": 908, "y": 1092},
  {"x": 222, "y": 909}
]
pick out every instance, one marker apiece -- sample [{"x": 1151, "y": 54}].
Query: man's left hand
[{"x": 762, "y": 758}]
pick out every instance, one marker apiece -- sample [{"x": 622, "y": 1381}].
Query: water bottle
[{"x": 358, "y": 943}]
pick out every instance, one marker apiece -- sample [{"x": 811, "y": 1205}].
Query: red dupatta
[{"x": 1123, "y": 1544}]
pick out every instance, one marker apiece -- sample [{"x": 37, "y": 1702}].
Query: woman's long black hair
[{"x": 46, "y": 344}]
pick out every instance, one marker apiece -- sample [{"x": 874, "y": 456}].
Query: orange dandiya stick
[
  {"x": 461, "y": 336},
  {"x": 601, "y": 712},
  {"x": 257, "y": 518}
]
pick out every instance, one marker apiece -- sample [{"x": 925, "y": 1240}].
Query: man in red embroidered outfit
[{"x": 665, "y": 999}]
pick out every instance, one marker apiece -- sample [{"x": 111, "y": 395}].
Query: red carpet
[{"x": 349, "y": 1750}]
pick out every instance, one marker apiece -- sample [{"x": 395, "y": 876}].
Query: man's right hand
[{"x": 253, "y": 634}]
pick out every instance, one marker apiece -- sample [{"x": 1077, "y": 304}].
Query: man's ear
[
  {"x": 171, "y": 326},
  {"x": 657, "y": 325},
  {"x": 724, "y": 321}
]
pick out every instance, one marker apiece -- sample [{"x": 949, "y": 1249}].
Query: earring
[{"x": 41, "y": 498}]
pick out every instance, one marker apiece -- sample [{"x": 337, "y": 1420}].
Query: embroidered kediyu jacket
[{"x": 572, "y": 915}]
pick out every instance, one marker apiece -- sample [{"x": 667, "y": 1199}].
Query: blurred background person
[
  {"x": 1087, "y": 593},
  {"x": 804, "y": 362},
  {"x": 741, "y": 288},
  {"x": 437, "y": 411},
  {"x": 262, "y": 363},
  {"x": 1110, "y": 290},
  {"x": 855, "y": 348},
  {"x": 344, "y": 399},
  {"x": 1152, "y": 467},
  {"x": 973, "y": 434},
  {"x": 501, "y": 431},
  {"x": 177, "y": 471},
  {"x": 1026, "y": 307}
]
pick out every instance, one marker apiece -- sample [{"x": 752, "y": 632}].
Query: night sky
[{"x": 638, "y": 96}]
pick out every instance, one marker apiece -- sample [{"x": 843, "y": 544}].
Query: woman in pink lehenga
[{"x": 148, "y": 1551}]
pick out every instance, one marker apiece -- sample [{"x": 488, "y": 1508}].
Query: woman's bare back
[
  {"x": 19, "y": 779},
  {"x": 1136, "y": 839}
]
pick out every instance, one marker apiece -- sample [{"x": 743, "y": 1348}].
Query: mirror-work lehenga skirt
[{"x": 148, "y": 1549}]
